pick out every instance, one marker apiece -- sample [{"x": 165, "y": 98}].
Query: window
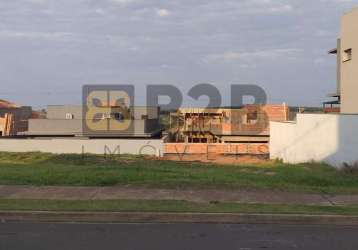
[
  {"x": 69, "y": 116},
  {"x": 252, "y": 117},
  {"x": 118, "y": 116},
  {"x": 347, "y": 55},
  {"x": 106, "y": 116}
]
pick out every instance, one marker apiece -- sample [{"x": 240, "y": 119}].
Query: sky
[{"x": 50, "y": 48}]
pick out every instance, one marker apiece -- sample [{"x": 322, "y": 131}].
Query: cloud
[
  {"x": 230, "y": 57},
  {"x": 338, "y": 1},
  {"x": 134, "y": 41},
  {"x": 123, "y": 2},
  {"x": 226, "y": 57},
  {"x": 100, "y": 11},
  {"x": 36, "y": 35},
  {"x": 37, "y": 1},
  {"x": 163, "y": 12},
  {"x": 271, "y": 54},
  {"x": 254, "y": 7},
  {"x": 281, "y": 8}
]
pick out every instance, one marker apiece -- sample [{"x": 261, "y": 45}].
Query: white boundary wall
[
  {"x": 78, "y": 146},
  {"x": 330, "y": 138}
]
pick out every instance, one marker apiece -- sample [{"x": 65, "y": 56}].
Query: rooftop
[{"x": 6, "y": 104}]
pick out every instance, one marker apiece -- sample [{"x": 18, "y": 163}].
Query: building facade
[
  {"x": 68, "y": 121},
  {"x": 347, "y": 64}
]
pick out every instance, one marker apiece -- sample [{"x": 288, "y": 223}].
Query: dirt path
[
  {"x": 193, "y": 195},
  {"x": 219, "y": 159}
]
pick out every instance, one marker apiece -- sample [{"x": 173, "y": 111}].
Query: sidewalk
[{"x": 192, "y": 195}]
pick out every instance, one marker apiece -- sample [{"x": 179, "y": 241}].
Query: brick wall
[
  {"x": 217, "y": 148},
  {"x": 265, "y": 114},
  {"x": 332, "y": 110}
]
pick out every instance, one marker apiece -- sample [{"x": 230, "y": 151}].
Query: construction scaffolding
[
  {"x": 248, "y": 124},
  {"x": 7, "y": 125}
]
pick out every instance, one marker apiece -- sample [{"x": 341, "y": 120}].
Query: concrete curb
[{"x": 137, "y": 217}]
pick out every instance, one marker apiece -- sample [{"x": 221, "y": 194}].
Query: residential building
[
  {"x": 225, "y": 125},
  {"x": 329, "y": 138},
  {"x": 68, "y": 121},
  {"x": 347, "y": 65}
]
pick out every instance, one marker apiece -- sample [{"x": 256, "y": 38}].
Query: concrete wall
[
  {"x": 330, "y": 138},
  {"x": 138, "y": 128},
  {"x": 339, "y": 66},
  {"x": 78, "y": 146},
  {"x": 55, "y": 127},
  {"x": 59, "y": 112},
  {"x": 151, "y": 112},
  {"x": 141, "y": 128}
]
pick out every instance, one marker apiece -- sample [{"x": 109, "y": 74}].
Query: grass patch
[
  {"x": 171, "y": 206},
  {"x": 41, "y": 169}
]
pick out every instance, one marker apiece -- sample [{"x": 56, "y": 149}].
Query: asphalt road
[{"x": 16, "y": 236}]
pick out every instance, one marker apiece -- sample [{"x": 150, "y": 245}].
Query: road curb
[{"x": 146, "y": 217}]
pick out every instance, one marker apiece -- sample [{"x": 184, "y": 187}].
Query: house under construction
[
  {"x": 249, "y": 124},
  {"x": 13, "y": 118}
]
